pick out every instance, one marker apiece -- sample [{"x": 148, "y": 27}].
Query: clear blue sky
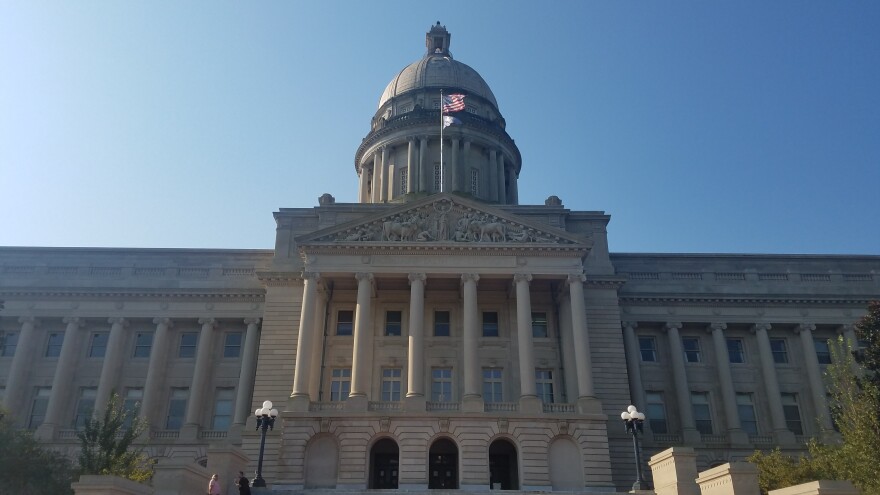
[{"x": 744, "y": 127}]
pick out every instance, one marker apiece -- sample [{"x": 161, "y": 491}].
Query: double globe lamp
[
  {"x": 633, "y": 420},
  {"x": 265, "y": 421}
]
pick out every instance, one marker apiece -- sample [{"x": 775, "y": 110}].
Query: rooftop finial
[{"x": 437, "y": 40}]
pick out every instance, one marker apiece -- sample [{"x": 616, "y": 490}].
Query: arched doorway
[
  {"x": 384, "y": 464},
  {"x": 566, "y": 468},
  {"x": 322, "y": 460},
  {"x": 503, "y": 470},
  {"x": 443, "y": 465}
]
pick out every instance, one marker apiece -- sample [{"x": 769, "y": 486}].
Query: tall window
[
  {"x": 344, "y": 322},
  {"x": 222, "y": 409},
  {"x": 404, "y": 181},
  {"x": 792, "y": 413},
  {"x": 98, "y": 344},
  {"x": 490, "y": 324},
  {"x": 691, "y": 347},
  {"x": 745, "y": 406},
  {"x": 475, "y": 182},
  {"x": 232, "y": 345},
  {"x": 38, "y": 406},
  {"x": 655, "y": 410},
  {"x": 8, "y": 343},
  {"x": 53, "y": 346},
  {"x": 735, "y": 351},
  {"x": 492, "y": 385},
  {"x": 780, "y": 352},
  {"x": 391, "y": 384},
  {"x": 340, "y": 384},
  {"x": 188, "y": 341},
  {"x": 85, "y": 406},
  {"x": 131, "y": 403},
  {"x": 648, "y": 349},
  {"x": 143, "y": 343},
  {"x": 441, "y": 323},
  {"x": 539, "y": 325},
  {"x": 702, "y": 413},
  {"x": 823, "y": 353},
  {"x": 176, "y": 408},
  {"x": 393, "y": 323},
  {"x": 441, "y": 384},
  {"x": 544, "y": 385}
]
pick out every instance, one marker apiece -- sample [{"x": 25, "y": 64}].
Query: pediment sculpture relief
[{"x": 445, "y": 221}]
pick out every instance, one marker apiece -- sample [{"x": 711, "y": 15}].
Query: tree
[
  {"x": 855, "y": 408},
  {"x": 28, "y": 468},
  {"x": 108, "y": 444}
]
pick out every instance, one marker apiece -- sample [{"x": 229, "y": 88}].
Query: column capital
[
  {"x": 363, "y": 276},
  {"x": 632, "y": 325},
  {"x": 29, "y": 319},
  {"x": 163, "y": 320},
  {"x": 804, "y": 327},
  {"x": 711, "y": 327},
  {"x": 575, "y": 277},
  {"x": 252, "y": 321},
  {"x": 212, "y": 322},
  {"x": 672, "y": 325},
  {"x": 417, "y": 276},
  {"x": 313, "y": 276},
  {"x": 74, "y": 320},
  {"x": 846, "y": 327},
  {"x": 465, "y": 277},
  {"x": 118, "y": 321},
  {"x": 522, "y": 277},
  {"x": 760, "y": 327},
  {"x": 410, "y": 139}
]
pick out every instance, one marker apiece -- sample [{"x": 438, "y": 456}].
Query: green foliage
[
  {"x": 108, "y": 445},
  {"x": 855, "y": 407},
  {"x": 28, "y": 468}
]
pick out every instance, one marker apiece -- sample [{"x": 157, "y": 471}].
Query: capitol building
[{"x": 435, "y": 334}]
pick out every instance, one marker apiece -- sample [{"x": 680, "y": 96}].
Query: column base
[
  {"x": 530, "y": 404},
  {"x": 589, "y": 405},
  {"x": 234, "y": 434},
  {"x": 473, "y": 403},
  {"x": 356, "y": 403},
  {"x": 415, "y": 403},
  {"x": 690, "y": 436},
  {"x": 784, "y": 437},
  {"x": 738, "y": 437},
  {"x": 45, "y": 432},
  {"x": 298, "y": 403},
  {"x": 189, "y": 432}
]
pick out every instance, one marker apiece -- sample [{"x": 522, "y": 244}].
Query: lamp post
[
  {"x": 633, "y": 420},
  {"x": 265, "y": 421}
]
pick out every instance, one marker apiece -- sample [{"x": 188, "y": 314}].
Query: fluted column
[
  {"x": 491, "y": 176},
  {"x": 318, "y": 345},
  {"x": 583, "y": 356},
  {"x": 112, "y": 367},
  {"x": 156, "y": 370},
  {"x": 849, "y": 334},
  {"x": 471, "y": 337},
  {"x": 248, "y": 371},
  {"x": 529, "y": 401},
  {"x": 781, "y": 433},
  {"x": 465, "y": 169},
  {"x": 201, "y": 374},
  {"x": 362, "y": 184},
  {"x": 387, "y": 180},
  {"x": 569, "y": 361},
  {"x": 412, "y": 170},
  {"x": 25, "y": 353},
  {"x": 502, "y": 193},
  {"x": 814, "y": 373},
  {"x": 514, "y": 187},
  {"x": 305, "y": 337},
  {"x": 64, "y": 372},
  {"x": 416, "y": 358},
  {"x": 689, "y": 432},
  {"x": 453, "y": 168},
  {"x": 360, "y": 365},
  {"x": 424, "y": 174},
  {"x": 725, "y": 380},
  {"x": 633, "y": 368},
  {"x": 376, "y": 179}
]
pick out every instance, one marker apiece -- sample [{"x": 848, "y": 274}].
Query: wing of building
[{"x": 436, "y": 334}]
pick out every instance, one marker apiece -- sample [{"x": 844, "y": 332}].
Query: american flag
[{"x": 453, "y": 103}]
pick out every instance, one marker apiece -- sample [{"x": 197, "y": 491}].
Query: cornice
[
  {"x": 460, "y": 249},
  {"x": 605, "y": 282},
  {"x": 743, "y": 300},
  {"x": 280, "y": 279},
  {"x": 255, "y": 295}
]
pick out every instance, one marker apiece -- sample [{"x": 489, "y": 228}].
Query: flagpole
[{"x": 441, "y": 140}]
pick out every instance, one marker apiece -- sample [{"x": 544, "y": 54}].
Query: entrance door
[
  {"x": 443, "y": 465},
  {"x": 385, "y": 465},
  {"x": 503, "y": 470}
]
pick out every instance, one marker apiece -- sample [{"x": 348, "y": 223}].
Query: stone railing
[
  {"x": 212, "y": 434},
  {"x": 558, "y": 408},
  {"x": 159, "y": 434},
  {"x": 384, "y": 406},
  {"x": 501, "y": 406},
  {"x": 667, "y": 438},
  {"x": 442, "y": 406},
  {"x": 326, "y": 406},
  {"x": 66, "y": 434}
]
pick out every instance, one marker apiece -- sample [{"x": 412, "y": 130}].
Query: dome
[{"x": 437, "y": 69}]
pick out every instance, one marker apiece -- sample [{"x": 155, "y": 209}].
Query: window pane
[
  {"x": 176, "y": 408},
  {"x": 142, "y": 345},
  {"x": 391, "y": 384},
  {"x": 823, "y": 353},
  {"x": 232, "y": 346},
  {"x": 344, "y": 322},
  {"x": 441, "y": 385},
  {"x": 539, "y": 325},
  {"x": 441, "y": 323},
  {"x": 544, "y": 385},
  {"x": 656, "y": 412},
  {"x": 691, "y": 347},
  {"x": 188, "y": 343},
  {"x": 490, "y": 324},
  {"x": 735, "y": 351},
  {"x": 38, "y": 406},
  {"x": 780, "y": 353},
  {"x": 222, "y": 409},
  {"x": 84, "y": 406},
  {"x": 648, "y": 349},
  {"x": 393, "y": 323},
  {"x": 53, "y": 347},
  {"x": 792, "y": 413},
  {"x": 492, "y": 385},
  {"x": 746, "y": 409},
  {"x": 98, "y": 345},
  {"x": 8, "y": 343},
  {"x": 340, "y": 384},
  {"x": 702, "y": 413}
]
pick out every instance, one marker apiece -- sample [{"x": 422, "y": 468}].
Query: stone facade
[{"x": 433, "y": 335}]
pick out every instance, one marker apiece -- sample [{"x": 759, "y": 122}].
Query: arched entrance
[
  {"x": 503, "y": 471},
  {"x": 443, "y": 465},
  {"x": 384, "y": 464},
  {"x": 566, "y": 468}
]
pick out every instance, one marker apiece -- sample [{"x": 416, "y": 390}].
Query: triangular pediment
[{"x": 447, "y": 220}]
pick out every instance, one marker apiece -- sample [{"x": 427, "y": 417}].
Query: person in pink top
[{"x": 214, "y": 486}]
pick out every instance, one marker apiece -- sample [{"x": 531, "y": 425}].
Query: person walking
[
  {"x": 243, "y": 484},
  {"x": 214, "y": 485}
]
